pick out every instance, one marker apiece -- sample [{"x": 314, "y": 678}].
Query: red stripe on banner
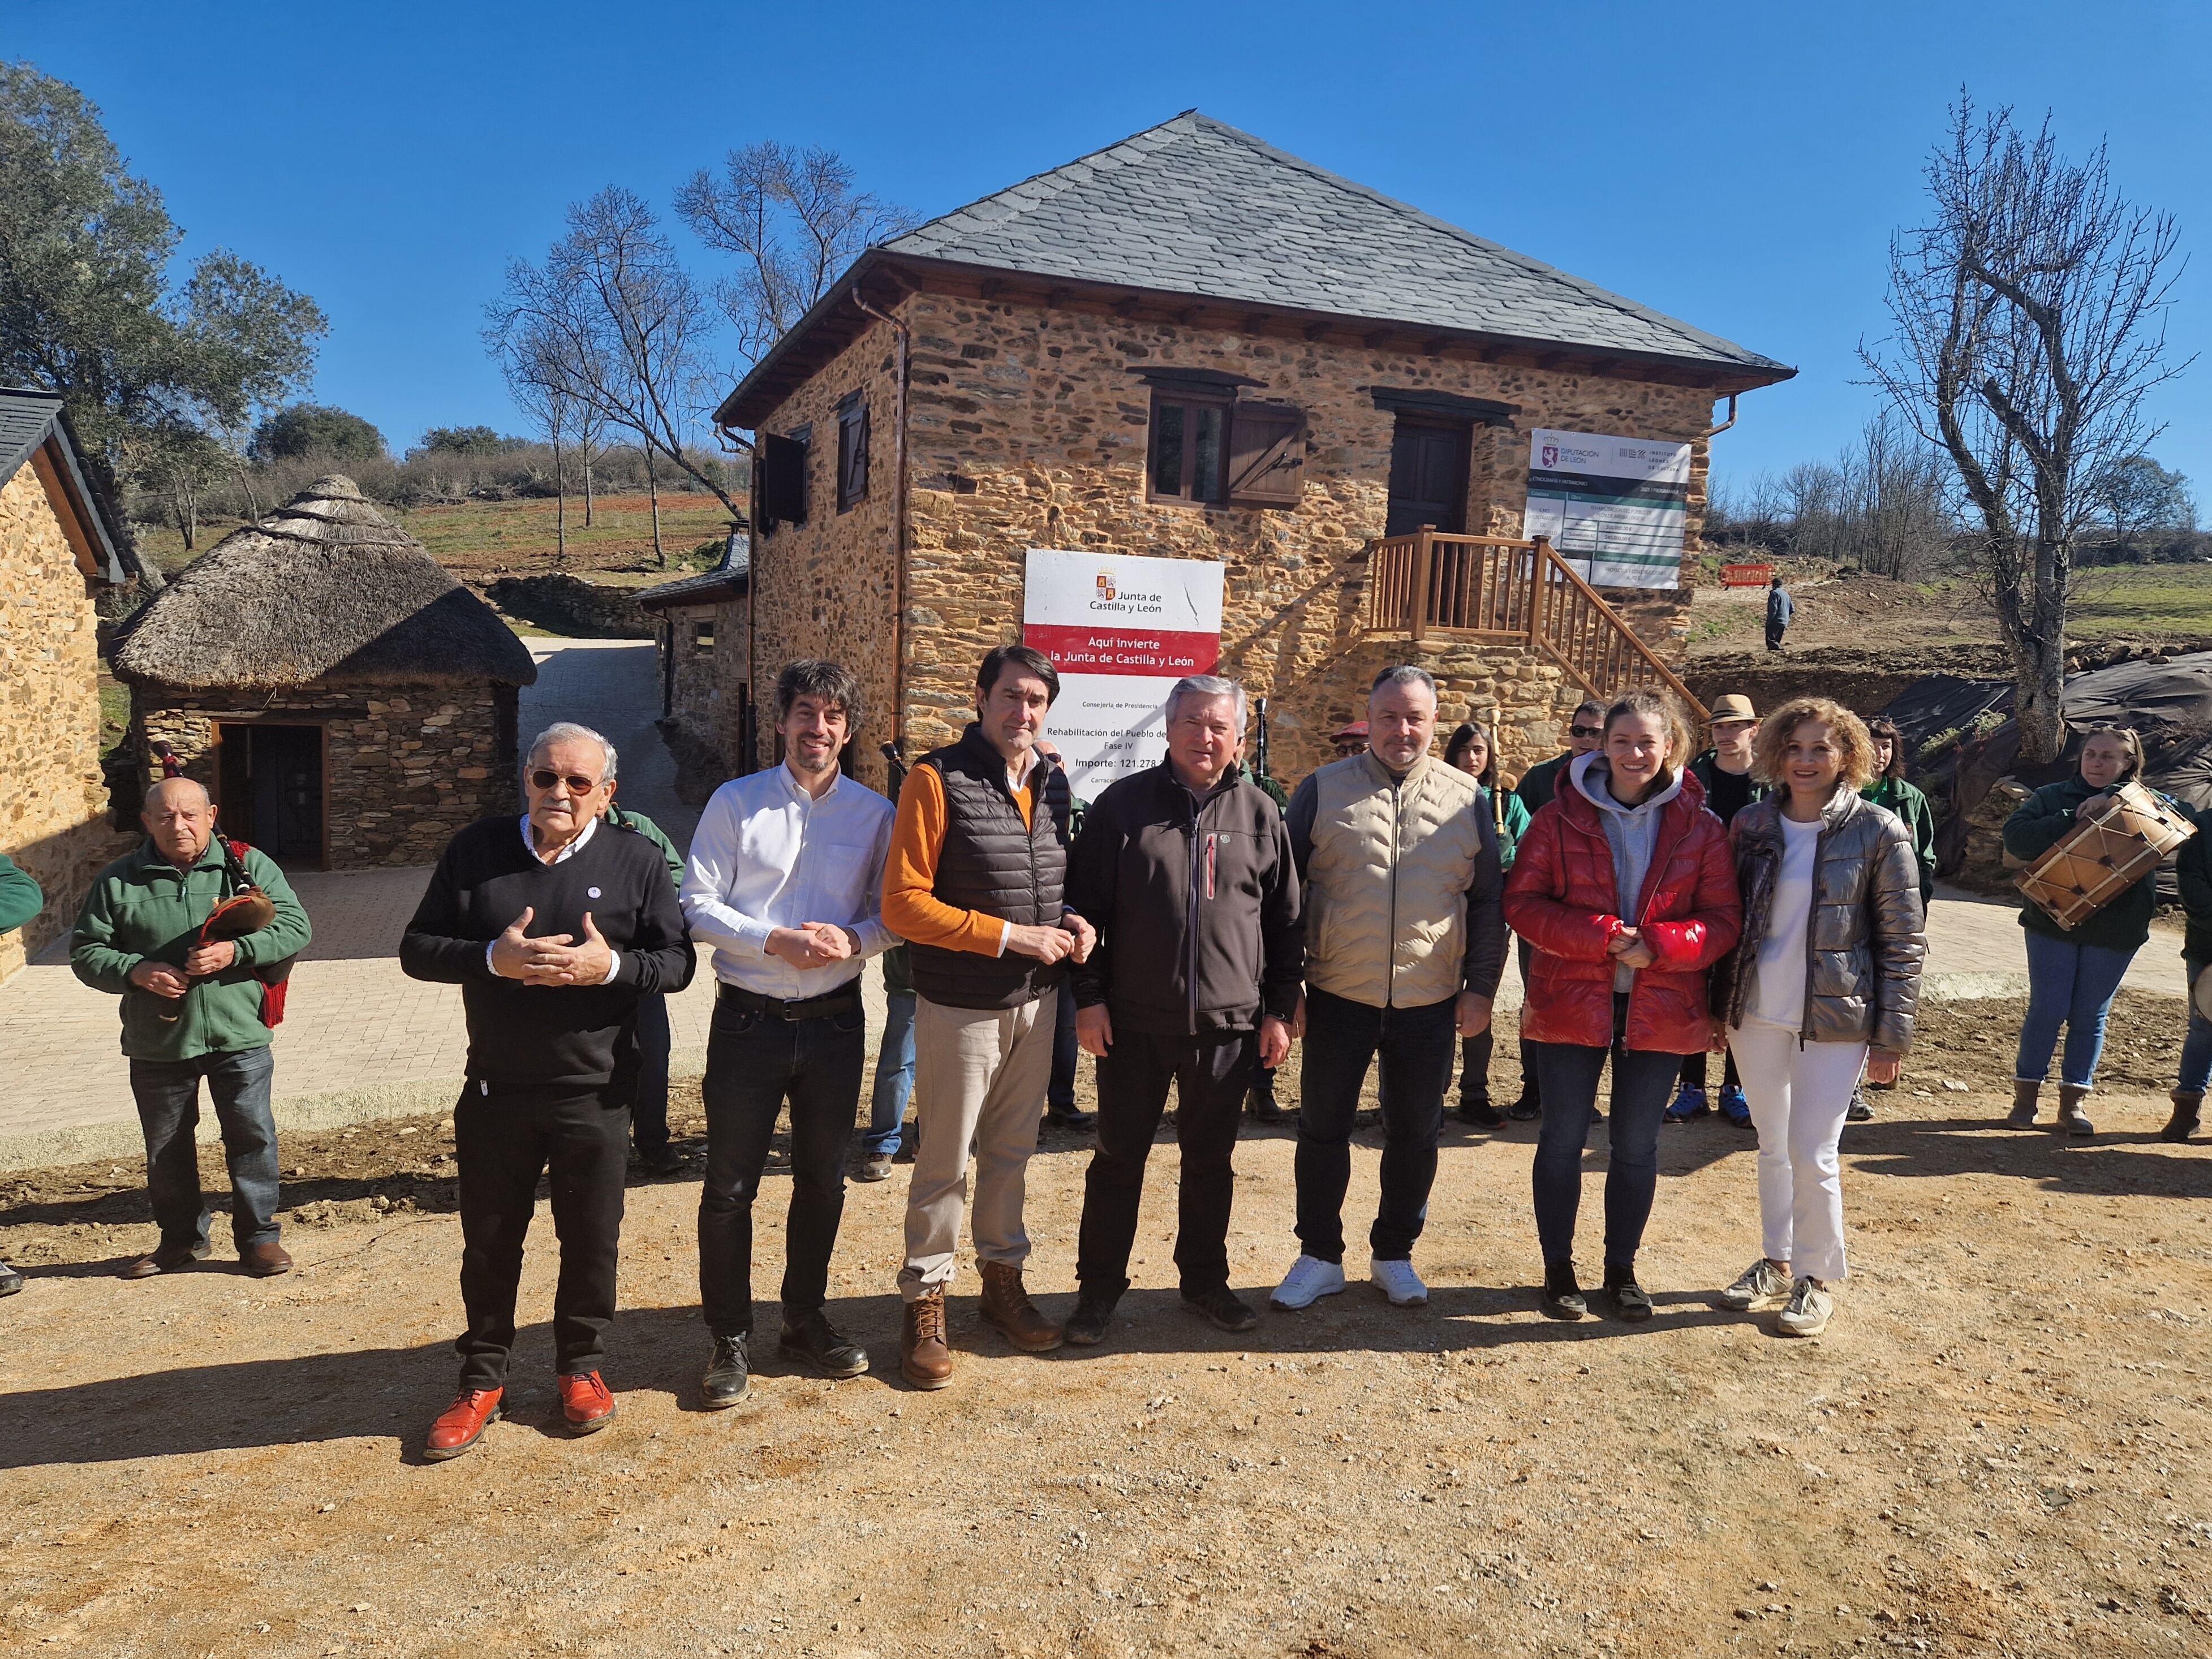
[{"x": 1124, "y": 650}]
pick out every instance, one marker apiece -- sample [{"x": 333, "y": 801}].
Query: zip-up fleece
[
  {"x": 1401, "y": 884},
  {"x": 1195, "y": 899}
]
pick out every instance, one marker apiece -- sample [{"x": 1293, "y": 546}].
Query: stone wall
[
  {"x": 405, "y": 766},
  {"x": 53, "y": 813},
  {"x": 703, "y": 686},
  {"x": 569, "y": 605},
  {"x": 1029, "y": 429}
]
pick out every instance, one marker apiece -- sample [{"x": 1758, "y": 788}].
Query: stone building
[
  {"x": 59, "y": 549},
  {"x": 346, "y": 701},
  {"x": 699, "y": 627},
  {"x": 1191, "y": 344}
]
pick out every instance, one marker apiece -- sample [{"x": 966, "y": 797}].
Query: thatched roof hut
[{"x": 326, "y": 590}]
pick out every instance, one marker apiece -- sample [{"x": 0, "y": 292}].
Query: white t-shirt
[{"x": 1780, "y": 999}]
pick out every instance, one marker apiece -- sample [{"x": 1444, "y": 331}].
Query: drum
[{"x": 2132, "y": 832}]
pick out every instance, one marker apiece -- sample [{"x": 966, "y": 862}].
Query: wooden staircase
[{"x": 1519, "y": 592}]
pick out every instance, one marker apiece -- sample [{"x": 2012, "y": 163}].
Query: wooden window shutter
[
  {"x": 1266, "y": 455},
  {"x": 783, "y": 481}
]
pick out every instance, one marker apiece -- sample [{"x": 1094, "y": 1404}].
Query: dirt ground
[{"x": 1998, "y": 1448}]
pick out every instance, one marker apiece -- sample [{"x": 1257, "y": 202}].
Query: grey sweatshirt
[{"x": 1632, "y": 834}]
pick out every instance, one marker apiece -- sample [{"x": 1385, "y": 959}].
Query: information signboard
[{"x": 1614, "y": 507}]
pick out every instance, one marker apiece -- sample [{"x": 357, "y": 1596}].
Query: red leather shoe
[
  {"x": 463, "y": 1422},
  {"x": 586, "y": 1402}
]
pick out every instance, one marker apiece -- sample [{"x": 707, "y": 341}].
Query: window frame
[
  {"x": 853, "y": 437},
  {"x": 1189, "y": 399}
]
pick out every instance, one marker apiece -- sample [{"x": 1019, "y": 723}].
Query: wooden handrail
[{"x": 1511, "y": 589}]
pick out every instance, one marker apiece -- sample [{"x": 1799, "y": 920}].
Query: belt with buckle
[{"x": 844, "y": 1000}]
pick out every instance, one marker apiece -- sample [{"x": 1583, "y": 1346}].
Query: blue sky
[{"x": 1739, "y": 166}]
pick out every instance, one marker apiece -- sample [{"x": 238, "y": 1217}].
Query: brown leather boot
[
  {"x": 2188, "y": 1105},
  {"x": 2071, "y": 1120},
  {"x": 925, "y": 1355},
  {"x": 2024, "y": 1090},
  {"x": 1007, "y": 1306}
]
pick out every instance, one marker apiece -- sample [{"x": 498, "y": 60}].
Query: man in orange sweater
[{"x": 973, "y": 882}]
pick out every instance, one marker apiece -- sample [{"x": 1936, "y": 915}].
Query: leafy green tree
[
  {"x": 87, "y": 305},
  {"x": 467, "y": 440},
  {"x": 316, "y": 429}
]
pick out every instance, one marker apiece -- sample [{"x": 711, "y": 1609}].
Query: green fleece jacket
[
  {"x": 143, "y": 907},
  {"x": 1910, "y": 805},
  {"x": 20, "y": 897},
  {"x": 639, "y": 823},
  {"x": 1540, "y": 782},
  {"x": 2037, "y": 824}
]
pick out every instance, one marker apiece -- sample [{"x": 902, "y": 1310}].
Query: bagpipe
[{"x": 247, "y": 909}]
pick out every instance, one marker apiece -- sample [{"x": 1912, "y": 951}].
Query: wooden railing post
[
  {"x": 1538, "y": 556},
  {"x": 1424, "y": 552}
]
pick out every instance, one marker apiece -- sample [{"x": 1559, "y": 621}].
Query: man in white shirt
[{"x": 785, "y": 881}]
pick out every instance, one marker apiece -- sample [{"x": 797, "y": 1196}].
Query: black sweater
[{"x": 579, "y": 1037}]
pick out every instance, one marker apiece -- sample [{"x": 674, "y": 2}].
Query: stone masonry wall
[
  {"x": 1029, "y": 429},
  {"x": 53, "y": 814},
  {"x": 406, "y": 765}
]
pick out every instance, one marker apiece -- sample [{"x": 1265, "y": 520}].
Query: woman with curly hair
[{"x": 1826, "y": 978}]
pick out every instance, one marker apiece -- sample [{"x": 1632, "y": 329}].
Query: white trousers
[{"x": 1798, "y": 1096}]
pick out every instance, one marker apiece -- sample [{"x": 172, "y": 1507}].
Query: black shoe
[
  {"x": 1086, "y": 1326},
  {"x": 729, "y": 1374},
  {"x": 814, "y": 1341},
  {"x": 1260, "y": 1103},
  {"x": 1526, "y": 1110},
  {"x": 1221, "y": 1308},
  {"x": 1079, "y": 1122},
  {"x": 1858, "y": 1111},
  {"x": 1563, "y": 1296},
  {"x": 1630, "y": 1301},
  {"x": 10, "y": 1281},
  {"x": 661, "y": 1160},
  {"x": 1480, "y": 1113}
]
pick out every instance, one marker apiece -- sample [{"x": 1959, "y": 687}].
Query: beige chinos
[{"x": 980, "y": 1076}]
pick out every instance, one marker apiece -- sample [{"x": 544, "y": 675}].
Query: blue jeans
[
  {"x": 1642, "y": 1081},
  {"x": 2072, "y": 985},
  {"x": 1414, "y": 1048},
  {"x": 169, "y": 1096},
  {"x": 2196, "y": 1046},
  {"x": 894, "y": 1077}
]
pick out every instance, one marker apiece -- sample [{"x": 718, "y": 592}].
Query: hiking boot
[
  {"x": 1086, "y": 1326},
  {"x": 925, "y": 1355},
  {"x": 1736, "y": 1108},
  {"x": 1398, "y": 1281},
  {"x": 1631, "y": 1301},
  {"x": 2025, "y": 1091},
  {"x": 2071, "y": 1120},
  {"x": 1688, "y": 1103},
  {"x": 1222, "y": 1308},
  {"x": 1858, "y": 1111},
  {"x": 1526, "y": 1110},
  {"x": 1809, "y": 1310},
  {"x": 1761, "y": 1287},
  {"x": 1261, "y": 1104},
  {"x": 1308, "y": 1280},
  {"x": 815, "y": 1342},
  {"x": 166, "y": 1259},
  {"x": 1563, "y": 1296},
  {"x": 462, "y": 1423},
  {"x": 876, "y": 1166},
  {"x": 1006, "y": 1306},
  {"x": 1479, "y": 1114},
  {"x": 728, "y": 1377},
  {"x": 2187, "y": 1105}
]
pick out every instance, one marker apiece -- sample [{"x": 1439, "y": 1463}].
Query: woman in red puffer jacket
[{"x": 1624, "y": 886}]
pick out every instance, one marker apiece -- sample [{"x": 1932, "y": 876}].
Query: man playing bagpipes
[{"x": 195, "y": 932}]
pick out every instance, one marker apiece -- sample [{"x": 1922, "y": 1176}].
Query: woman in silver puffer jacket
[{"x": 1825, "y": 977}]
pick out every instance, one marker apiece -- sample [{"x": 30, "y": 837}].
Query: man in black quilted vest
[{"x": 974, "y": 882}]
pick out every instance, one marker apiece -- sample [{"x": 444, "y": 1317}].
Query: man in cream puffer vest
[{"x": 1405, "y": 939}]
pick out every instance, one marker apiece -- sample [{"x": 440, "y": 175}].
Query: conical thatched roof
[{"x": 324, "y": 589}]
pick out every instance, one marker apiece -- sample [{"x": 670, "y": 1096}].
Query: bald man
[{"x": 191, "y": 1012}]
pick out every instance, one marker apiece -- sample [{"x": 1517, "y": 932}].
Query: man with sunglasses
[{"x": 554, "y": 927}]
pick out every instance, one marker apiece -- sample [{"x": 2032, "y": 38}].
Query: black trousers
[
  {"x": 1211, "y": 1074},
  {"x": 1530, "y": 1090},
  {"x": 755, "y": 1062},
  {"x": 503, "y": 1142},
  {"x": 648, "y": 1106},
  {"x": 1774, "y": 632}
]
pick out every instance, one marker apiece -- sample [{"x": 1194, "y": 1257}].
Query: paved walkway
[{"x": 362, "y": 1040}]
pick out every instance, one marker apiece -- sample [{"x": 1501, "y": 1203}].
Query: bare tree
[
  {"x": 531, "y": 361},
  {"x": 2028, "y": 318},
  {"x": 794, "y": 222},
  {"x": 625, "y": 329},
  {"x": 1899, "y": 522}
]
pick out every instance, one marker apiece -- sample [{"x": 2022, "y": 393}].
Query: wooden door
[{"x": 1428, "y": 477}]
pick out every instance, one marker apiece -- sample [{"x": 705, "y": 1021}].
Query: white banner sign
[
  {"x": 1121, "y": 631},
  {"x": 1615, "y": 507}
]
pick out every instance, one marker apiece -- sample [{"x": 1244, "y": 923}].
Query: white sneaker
[
  {"x": 1398, "y": 1281},
  {"x": 1309, "y": 1281},
  {"x": 1808, "y": 1311},
  {"x": 1763, "y": 1285}
]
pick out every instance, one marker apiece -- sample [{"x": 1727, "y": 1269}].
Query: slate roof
[
  {"x": 29, "y": 418},
  {"x": 725, "y": 582},
  {"x": 1196, "y": 206}
]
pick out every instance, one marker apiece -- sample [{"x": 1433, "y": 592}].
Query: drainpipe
[
  {"x": 1714, "y": 431},
  {"x": 898, "y": 521}
]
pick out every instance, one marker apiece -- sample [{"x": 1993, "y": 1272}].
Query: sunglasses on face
[
  {"x": 1586, "y": 731},
  {"x": 542, "y": 779}
]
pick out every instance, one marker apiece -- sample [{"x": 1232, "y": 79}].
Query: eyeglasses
[
  {"x": 1574, "y": 732},
  {"x": 542, "y": 779}
]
